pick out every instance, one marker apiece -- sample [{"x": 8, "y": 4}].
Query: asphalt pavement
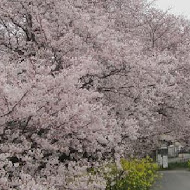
[{"x": 173, "y": 180}]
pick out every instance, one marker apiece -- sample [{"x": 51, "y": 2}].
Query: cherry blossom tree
[
  {"x": 83, "y": 83},
  {"x": 52, "y": 127}
]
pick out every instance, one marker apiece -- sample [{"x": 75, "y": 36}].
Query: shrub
[
  {"x": 178, "y": 165},
  {"x": 188, "y": 164},
  {"x": 136, "y": 174}
]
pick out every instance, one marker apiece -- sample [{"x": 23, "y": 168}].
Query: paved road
[{"x": 174, "y": 180}]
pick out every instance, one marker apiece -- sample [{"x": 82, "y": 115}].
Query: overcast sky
[{"x": 178, "y": 6}]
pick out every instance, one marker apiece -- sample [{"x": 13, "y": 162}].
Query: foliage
[
  {"x": 177, "y": 165},
  {"x": 134, "y": 174}
]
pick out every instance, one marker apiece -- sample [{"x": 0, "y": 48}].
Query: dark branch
[{"x": 13, "y": 108}]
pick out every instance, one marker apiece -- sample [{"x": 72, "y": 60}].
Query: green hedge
[
  {"x": 188, "y": 164},
  {"x": 177, "y": 165}
]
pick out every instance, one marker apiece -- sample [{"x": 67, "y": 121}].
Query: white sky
[{"x": 178, "y": 6}]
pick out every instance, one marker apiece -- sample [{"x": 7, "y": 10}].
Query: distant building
[
  {"x": 174, "y": 147},
  {"x": 168, "y": 148},
  {"x": 171, "y": 151}
]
